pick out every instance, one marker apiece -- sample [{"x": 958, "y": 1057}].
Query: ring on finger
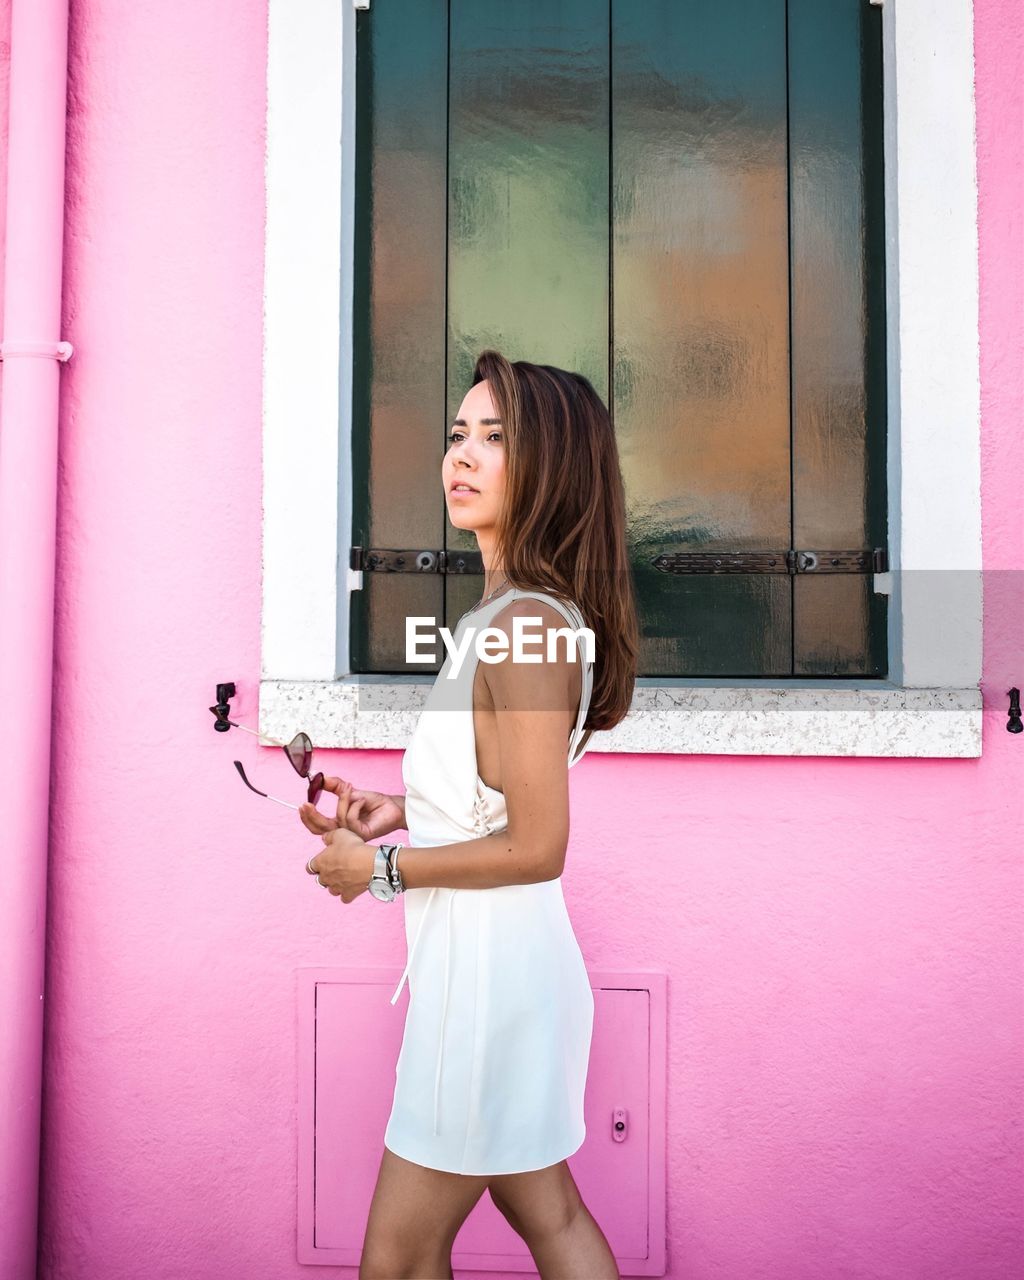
[
  {"x": 309, "y": 866},
  {"x": 320, "y": 882}
]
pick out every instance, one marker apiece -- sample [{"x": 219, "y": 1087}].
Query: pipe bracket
[{"x": 54, "y": 350}]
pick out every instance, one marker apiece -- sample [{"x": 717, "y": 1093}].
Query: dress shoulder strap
[{"x": 572, "y": 614}]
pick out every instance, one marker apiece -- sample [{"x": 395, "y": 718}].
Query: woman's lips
[{"x": 464, "y": 493}]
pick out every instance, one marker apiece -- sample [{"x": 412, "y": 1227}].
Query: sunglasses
[{"x": 300, "y": 756}]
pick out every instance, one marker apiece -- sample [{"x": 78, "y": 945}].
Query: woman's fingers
[
  {"x": 313, "y": 820},
  {"x": 356, "y": 821},
  {"x": 350, "y": 810},
  {"x": 344, "y": 796},
  {"x": 343, "y": 790},
  {"x": 311, "y": 817}
]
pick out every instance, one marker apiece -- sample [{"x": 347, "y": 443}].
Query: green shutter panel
[
  {"x": 399, "y": 307},
  {"x": 528, "y": 195},
  {"x": 838, "y": 327}
]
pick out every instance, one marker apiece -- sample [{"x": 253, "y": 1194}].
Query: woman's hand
[
  {"x": 370, "y": 814},
  {"x": 345, "y": 865}
]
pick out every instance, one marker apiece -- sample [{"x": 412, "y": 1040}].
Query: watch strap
[{"x": 391, "y": 864}]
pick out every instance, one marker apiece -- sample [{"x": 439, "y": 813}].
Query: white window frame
[{"x": 930, "y": 706}]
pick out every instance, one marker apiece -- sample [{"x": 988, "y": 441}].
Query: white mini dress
[{"x": 493, "y": 1065}]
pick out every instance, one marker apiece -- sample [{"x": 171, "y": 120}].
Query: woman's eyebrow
[{"x": 484, "y": 422}]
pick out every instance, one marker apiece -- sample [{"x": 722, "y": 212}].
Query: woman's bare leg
[
  {"x": 415, "y": 1215},
  {"x": 546, "y": 1209}
]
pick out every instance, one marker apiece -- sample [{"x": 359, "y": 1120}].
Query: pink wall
[{"x": 844, "y": 970}]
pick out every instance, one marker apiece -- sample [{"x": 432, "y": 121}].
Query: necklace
[{"x": 490, "y": 596}]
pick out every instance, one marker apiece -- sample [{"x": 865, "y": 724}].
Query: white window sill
[{"x": 674, "y": 717}]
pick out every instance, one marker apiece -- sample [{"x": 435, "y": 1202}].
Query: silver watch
[{"x": 386, "y": 881}]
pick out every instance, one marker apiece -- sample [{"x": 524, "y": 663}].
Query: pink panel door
[
  {"x": 611, "y": 1168},
  {"x": 358, "y": 1035},
  {"x": 349, "y": 1038}
]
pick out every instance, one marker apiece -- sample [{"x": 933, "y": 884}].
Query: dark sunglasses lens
[
  {"x": 316, "y": 787},
  {"x": 300, "y": 753}
]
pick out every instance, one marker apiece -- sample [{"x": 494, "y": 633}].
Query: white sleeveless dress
[{"x": 493, "y": 1064}]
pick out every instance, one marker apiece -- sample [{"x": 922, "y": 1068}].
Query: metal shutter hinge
[
  {"x": 429, "y": 560},
  {"x": 875, "y": 560},
  {"x": 412, "y": 560}
]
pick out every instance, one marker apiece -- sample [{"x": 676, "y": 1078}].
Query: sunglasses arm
[
  {"x": 266, "y": 796},
  {"x": 284, "y": 802}
]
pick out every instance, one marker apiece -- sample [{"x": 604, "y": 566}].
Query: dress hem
[{"x": 489, "y": 1173}]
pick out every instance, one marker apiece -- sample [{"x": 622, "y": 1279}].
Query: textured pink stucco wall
[{"x": 843, "y": 942}]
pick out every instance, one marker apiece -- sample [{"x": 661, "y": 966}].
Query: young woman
[{"x": 490, "y": 1079}]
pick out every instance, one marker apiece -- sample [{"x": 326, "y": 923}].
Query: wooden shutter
[{"x": 683, "y": 202}]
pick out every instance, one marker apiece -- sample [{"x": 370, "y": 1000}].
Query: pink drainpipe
[{"x": 28, "y": 511}]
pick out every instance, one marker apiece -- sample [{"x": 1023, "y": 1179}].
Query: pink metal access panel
[{"x": 349, "y": 1038}]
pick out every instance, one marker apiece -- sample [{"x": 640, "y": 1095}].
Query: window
[{"x": 881, "y": 446}]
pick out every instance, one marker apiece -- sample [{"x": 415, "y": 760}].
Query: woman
[{"x": 490, "y": 1079}]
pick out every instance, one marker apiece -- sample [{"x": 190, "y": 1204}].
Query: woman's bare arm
[{"x": 484, "y": 863}]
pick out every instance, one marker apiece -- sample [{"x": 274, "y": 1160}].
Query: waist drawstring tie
[{"x": 481, "y": 827}]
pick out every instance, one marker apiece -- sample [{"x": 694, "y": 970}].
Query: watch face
[{"x": 381, "y": 890}]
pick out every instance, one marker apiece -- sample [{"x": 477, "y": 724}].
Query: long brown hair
[{"x": 562, "y": 526}]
